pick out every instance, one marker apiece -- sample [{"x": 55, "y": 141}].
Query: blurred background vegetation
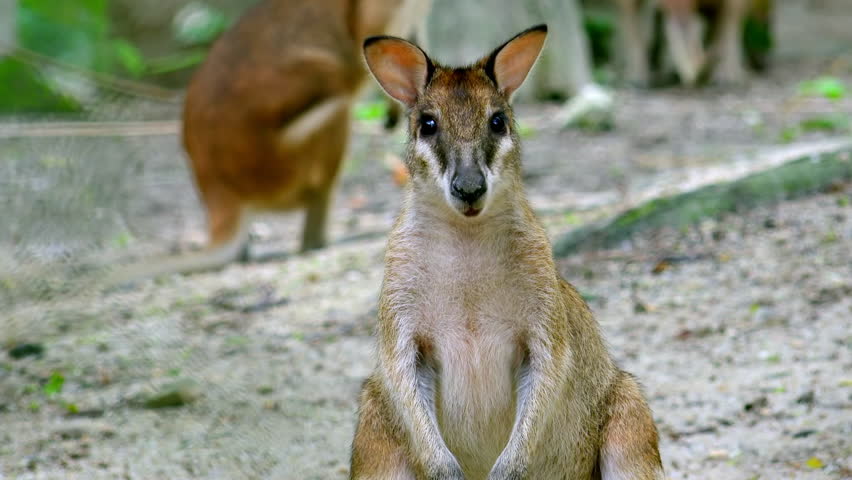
[
  {"x": 64, "y": 50},
  {"x": 58, "y": 54}
]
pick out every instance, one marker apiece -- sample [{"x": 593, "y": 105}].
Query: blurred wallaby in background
[
  {"x": 267, "y": 116},
  {"x": 702, "y": 38},
  {"x": 565, "y": 67}
]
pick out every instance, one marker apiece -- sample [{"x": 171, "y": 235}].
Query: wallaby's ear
[
  {"x": 401, "y": 68},
  {"x": 510, "y": 63}
]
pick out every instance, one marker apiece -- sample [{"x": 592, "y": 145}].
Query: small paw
[
  {"x": 445, "y": 471},
  {"x": 508, "y": 470}
]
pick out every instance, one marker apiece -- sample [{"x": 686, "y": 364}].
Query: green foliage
[
  {"x": 175, "y": 61},
  {"x": 130, "y": 57},
  {"x": 54, "y": 384},
  {"x": 828, "y": 87},
  {"x": 71, "y": 32},
  {"x": 76, "y": 33},
  {"x": 757, "y": 40},
  {"x": 830, "y": 123},
  {"x": 25, "y": 90},
  {"x": 826, "y": 123},
  {"x": 376, "y": 110},
  {"x": 600, "y": 30}
]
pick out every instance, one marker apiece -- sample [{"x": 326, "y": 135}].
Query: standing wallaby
[
  {"x": 489, "y": 364},
  {"x": 267, "y": 116},
  {"x": 685, "y": 34}
]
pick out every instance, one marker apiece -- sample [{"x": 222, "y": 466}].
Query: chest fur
[{"x": 472, "y": 304}]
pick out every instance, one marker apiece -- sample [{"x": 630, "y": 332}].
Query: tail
[{"x": 212, "y": 258}]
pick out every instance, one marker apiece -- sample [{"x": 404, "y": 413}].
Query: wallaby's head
[{"x": 464, "y": 149}]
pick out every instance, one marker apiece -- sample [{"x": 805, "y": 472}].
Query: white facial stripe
[
  {"x": 424, "y": 150},
  {"x": 504, "y": 147}
]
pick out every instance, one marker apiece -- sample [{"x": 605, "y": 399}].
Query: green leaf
[
  {"x": 371, "y": 110},
  {"x": 130, "y": 57},
  {"x": 525, "y": 130},
  {"x": 790, "y": 134},
  {"x": 175, "y": 62},
  {"x": 828, "y": 87},
  {"x": 122, "y": 240},
  {"x": 54, "y": 384},
  {"x": 826, "y": 123},
  {"x": 571, "y": 218}
]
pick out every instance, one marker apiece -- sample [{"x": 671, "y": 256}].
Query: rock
[
  {"x": 806, "y": 398},
  {"x": 81, "y": 428},
  {"x": 718, "y": 454},
  {"x": 26, "y": 350},
  {"x": 757, "y": 404},
  {"x": 591, "y": 108}
]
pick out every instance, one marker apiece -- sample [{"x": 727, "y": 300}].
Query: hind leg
[
  {"x": 728, "y": 47},
  {"x": 376, "y": 453},
  {"x": 327, "y": 152},
  {"x": 630, "y": 444},
  {"x": 316, "y": 218}
]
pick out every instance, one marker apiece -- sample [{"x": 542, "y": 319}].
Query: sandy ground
[
  {"x": 742, "y": 339},
  {"x": 743, "y": 346}
]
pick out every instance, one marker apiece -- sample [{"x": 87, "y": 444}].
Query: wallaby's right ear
[{"x": 401, "y": 68}]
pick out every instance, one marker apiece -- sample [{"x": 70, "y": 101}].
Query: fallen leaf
[
  {"x": 814, "y": 463},
  {"x": 719, "y": 454},
  {"x": 661, "y": 267}
]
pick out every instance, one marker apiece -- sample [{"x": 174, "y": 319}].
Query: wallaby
[
  {"x": 267, "y": 116},
  {"x": 685, "y": 33},
  {"x": 490, "y": 365}
]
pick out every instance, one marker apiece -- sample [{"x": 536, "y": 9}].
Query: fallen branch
[
  {"x": 799, "y": 176},
  {"x": 89, "y": 129}
]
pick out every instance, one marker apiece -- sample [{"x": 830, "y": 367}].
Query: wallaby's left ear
[{"x": 510, "y": 63}]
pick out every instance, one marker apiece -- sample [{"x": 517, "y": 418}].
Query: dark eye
[
  {"x": 498, "y": 123},
  {"x": 428, "y": 125}
]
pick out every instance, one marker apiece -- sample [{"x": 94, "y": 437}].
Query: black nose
[{"x": 468, "y": 186}]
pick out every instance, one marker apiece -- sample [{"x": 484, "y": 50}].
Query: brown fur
[
  {"x": 684, "y": 20},
  {"x": 281, "y": 60},
  {"x": 489, "y": 364},
  {"x": 266, "y": 119}
]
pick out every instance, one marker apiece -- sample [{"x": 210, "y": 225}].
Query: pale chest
[{"x": 472, "y": 307}]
